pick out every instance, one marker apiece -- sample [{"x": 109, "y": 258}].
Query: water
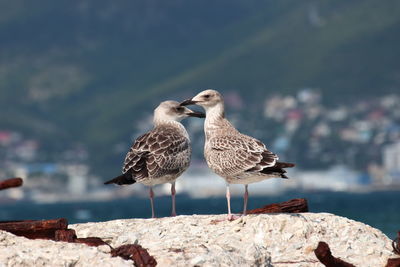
[{"x": 378, "y": 209}]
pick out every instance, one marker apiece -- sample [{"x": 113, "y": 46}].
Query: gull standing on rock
[
  {"x": 238, "y": 158},
  {"x": 162, "y": 154}
]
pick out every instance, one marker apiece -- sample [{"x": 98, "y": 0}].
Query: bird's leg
[
  {"x": 245, "y": 198},
  {"x": 228, "y": 199},
  {"x": 151, "y": 194},
  {"x": 173, "y": 192},
  {"x": 231, "y": 217}
]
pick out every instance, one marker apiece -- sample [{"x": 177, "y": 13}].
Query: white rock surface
[
  {"x": 255, "y": 240},
  {"x": 19, "y": 251}
]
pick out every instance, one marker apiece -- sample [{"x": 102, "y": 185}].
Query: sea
[{"x": 377, "y": 209}]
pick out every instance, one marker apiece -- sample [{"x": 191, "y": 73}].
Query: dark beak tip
[
  {"x": 187, "y": 102},
  {"x": 197, "y": 114}
]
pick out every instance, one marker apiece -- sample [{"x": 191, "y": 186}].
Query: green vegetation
[{"x": 85, "y": 71}]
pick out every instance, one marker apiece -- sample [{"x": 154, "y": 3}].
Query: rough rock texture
[
  {"x": 256, "y": 240},
  {"x": 20, "y": 251}
]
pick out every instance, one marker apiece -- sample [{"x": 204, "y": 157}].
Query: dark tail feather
[
  {"x": 284, "y": 165},
  {"x": 278, "y": 170},
  {"x": 125, "y": 178},
  {"x": 284, "y": 176}
]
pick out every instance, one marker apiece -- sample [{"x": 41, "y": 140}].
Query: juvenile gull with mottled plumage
[
  {"x": 162, "y": 154},
  {"x": 238, "y": 158}
]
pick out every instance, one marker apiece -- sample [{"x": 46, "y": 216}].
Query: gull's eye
[
  {"x": 180, "y": 109},
  {"x": 206, "y": 96}
]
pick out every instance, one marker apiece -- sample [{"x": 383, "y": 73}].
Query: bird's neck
[
  {"x": 162, "y": 120},
  {"x": 170, "y": 123},
  {"x": 215, "y": 113},
  {"x": 215, "y": 119},
  {"x": 166, "y": 122}
]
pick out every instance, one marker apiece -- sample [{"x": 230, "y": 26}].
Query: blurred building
[{"x": 391, "y": 163}]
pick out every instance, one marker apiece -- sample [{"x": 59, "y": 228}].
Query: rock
[
  {"x": 254, "y": 240},
  {"x": 261, "y": 240},
  {"x": 20, "y": 251}
]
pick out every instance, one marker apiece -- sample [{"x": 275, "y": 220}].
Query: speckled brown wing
[
  {"x": 163, "y": 151},
  {"x": 231, "y": 155},
  {"x": 170, "y": 152},
  {"x": 135, "y": 160}
]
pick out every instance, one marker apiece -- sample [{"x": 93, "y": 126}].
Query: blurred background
[{"x": 317, "y": 81}]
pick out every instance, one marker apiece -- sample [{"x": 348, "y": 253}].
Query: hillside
[{"x": 83, "y": 72}]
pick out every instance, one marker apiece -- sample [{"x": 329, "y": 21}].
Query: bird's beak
[
  {"x": 188, "y": 102},
  {"x": 196, "y": 114}
]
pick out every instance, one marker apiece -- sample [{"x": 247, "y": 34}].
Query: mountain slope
[{"x": 87, "y": 71}]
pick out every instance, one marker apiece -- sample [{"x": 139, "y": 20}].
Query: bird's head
[
  {"x": 207, "y": 99},
  {"x": 173, "y": 111}
]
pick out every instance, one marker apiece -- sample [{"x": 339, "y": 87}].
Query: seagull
[
  {"x": 236, "y": 157},
  {"x": 162, "y": 154}
]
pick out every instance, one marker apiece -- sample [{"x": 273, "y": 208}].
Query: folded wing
[{"x": 162, "y": 151}]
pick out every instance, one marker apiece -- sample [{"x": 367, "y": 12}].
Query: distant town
[{"x": 348, "y": 147}]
